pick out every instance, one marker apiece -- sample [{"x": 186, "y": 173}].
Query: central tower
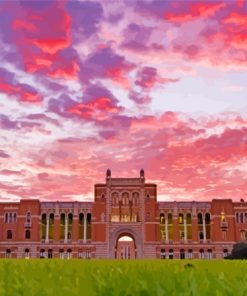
[{"x": 123, "y": 207}]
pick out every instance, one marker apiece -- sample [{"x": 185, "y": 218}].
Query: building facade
[{"x": 126, "y": 221}]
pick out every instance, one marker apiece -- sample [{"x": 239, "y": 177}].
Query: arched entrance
[
  {"x": 117, "y": 233},
  {"x": 125, "y": 247}
]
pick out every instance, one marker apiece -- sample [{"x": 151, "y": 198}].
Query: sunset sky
[{"x": 87, "y": 85}]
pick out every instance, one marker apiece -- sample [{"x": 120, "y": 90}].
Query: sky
[{"x": 125, "y": 85}]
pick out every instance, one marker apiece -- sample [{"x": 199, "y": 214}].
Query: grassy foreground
[{"x": 113, "y": 278}]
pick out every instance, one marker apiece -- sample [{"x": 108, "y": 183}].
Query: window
[
  {"x": 27, "y": 254},
  {"x": 209, "y": 254},
  {"x": 201, "y": 236},
  {"x": 61, "y": 254},
  {"x": 241, "y": 217},
  {"x": 10, "y": 217},
  {"x": 8, "y": 253},
  {"x": 237, "y": 217},
  {"x": 27, "y": 234},
  {"x": 42, "y": 254},
  {"x": 88, "y": 254},
  {"x": 201, "y": 254},
  {"x": 182, "y": 254},
  {"x": 28, "y": 217},
  {"x": 199, "y": 218},
  {"x": 69, "y": 254},
  {"x": 190, "y": 254},
  {"x": 162, "y": 254},
  {"x": 9, "y": 234},
  {"x": 225, "y": 253},
  {"x": 171, "y": 254},
  {"x": 50, "y": 253}
]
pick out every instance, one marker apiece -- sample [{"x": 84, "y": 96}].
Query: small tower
[
  {"x": 142, "y": 174},
  {"x": 108, "y": 174}
]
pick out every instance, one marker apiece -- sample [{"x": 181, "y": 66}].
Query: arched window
[
  {"x": 189, "y": 226},
  {"x": 182, "y": 254},
  {"x": 209, "y": 254},
  {"x": 115, "y": 199},
  {"x": 171, "y": 254},
  {"x": 28, "y": 217},
  {"x": 61, "y": 253},
  {"x": 43, "y": 226},
  {"x": 241, "y": 217},
  {"x": 199, "y": 218},
  {"x": 27, "y": 254},
  {"x": 89, "y": 216},
  {"x": 51, "y": 225},
  {"x": 135, "y": 198},
  {"x": 170, "y": 226},
  {"x": 70, "y": 222},
  {"x": 81, "y": 225},
  {"x": 237, "y": 217},
  {"x": 200, "y": 226},
  {"x": 9, "y": 234},
  {"x": 8, "y": 253},
  {"x": 125, "y": 198},
  {"x": 208, "y": 225},
  {"x": 6, "y": 217},
  {"x": 10, "y": 218},
  {"x": 15, "y": 217},
  {"x": 69, "y": 254},
  {"x": 27, "y": 234},
  {"x": 42, "y": 253},
  {"x": 190, "y": 254},
  {"x": 62, "y": 226},
  {"x": 181, "y": 226},
  {"x": 201, "y": 254},
  {"x": 50, "y": 252},
  {"x": 225, "y": 253},
  {"x": 162, "y": 254}
]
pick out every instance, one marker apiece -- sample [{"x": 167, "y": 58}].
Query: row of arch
[
  {"x": 10, "y": 217},
  {"x": 241, "y": 217},
  {"x": 66, "y": 226},
  {"x": 63, "y": 254},
  {"x": 185, "y": 216},
  {"x": 125, "y": 199},
  {"x": 183, "y": 254},
  {"x": 185, "y": 226}
]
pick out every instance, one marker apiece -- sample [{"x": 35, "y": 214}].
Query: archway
[{"x": 125, "y": 247}]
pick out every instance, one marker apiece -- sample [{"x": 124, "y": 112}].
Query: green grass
[{"x": 113, "y": 278}]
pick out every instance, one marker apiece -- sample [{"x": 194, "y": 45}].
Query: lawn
[{"x": 112, "y": 278}]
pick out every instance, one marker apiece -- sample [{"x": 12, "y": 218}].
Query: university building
[{"x": 126, "y": 221}]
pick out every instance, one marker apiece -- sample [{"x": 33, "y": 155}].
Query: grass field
[{"x": 112, "y": 278}]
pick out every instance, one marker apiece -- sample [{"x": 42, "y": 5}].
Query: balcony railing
[
  {"x": 28, "y": 224},
  {"x": 224, "y": 225}
]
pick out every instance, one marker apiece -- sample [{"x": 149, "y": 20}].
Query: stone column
[
  {"x": 66, "y": 229},
  {"x": 85, "y": 228},
  {"x": 185, "y": 229},
  {"x": 204, "y": 228},
  {"x": 166, "y": 229},
  {"x": 47, "y": 228}
]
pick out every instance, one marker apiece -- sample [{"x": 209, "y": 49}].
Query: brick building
[{"x": 125, "y": 220}]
